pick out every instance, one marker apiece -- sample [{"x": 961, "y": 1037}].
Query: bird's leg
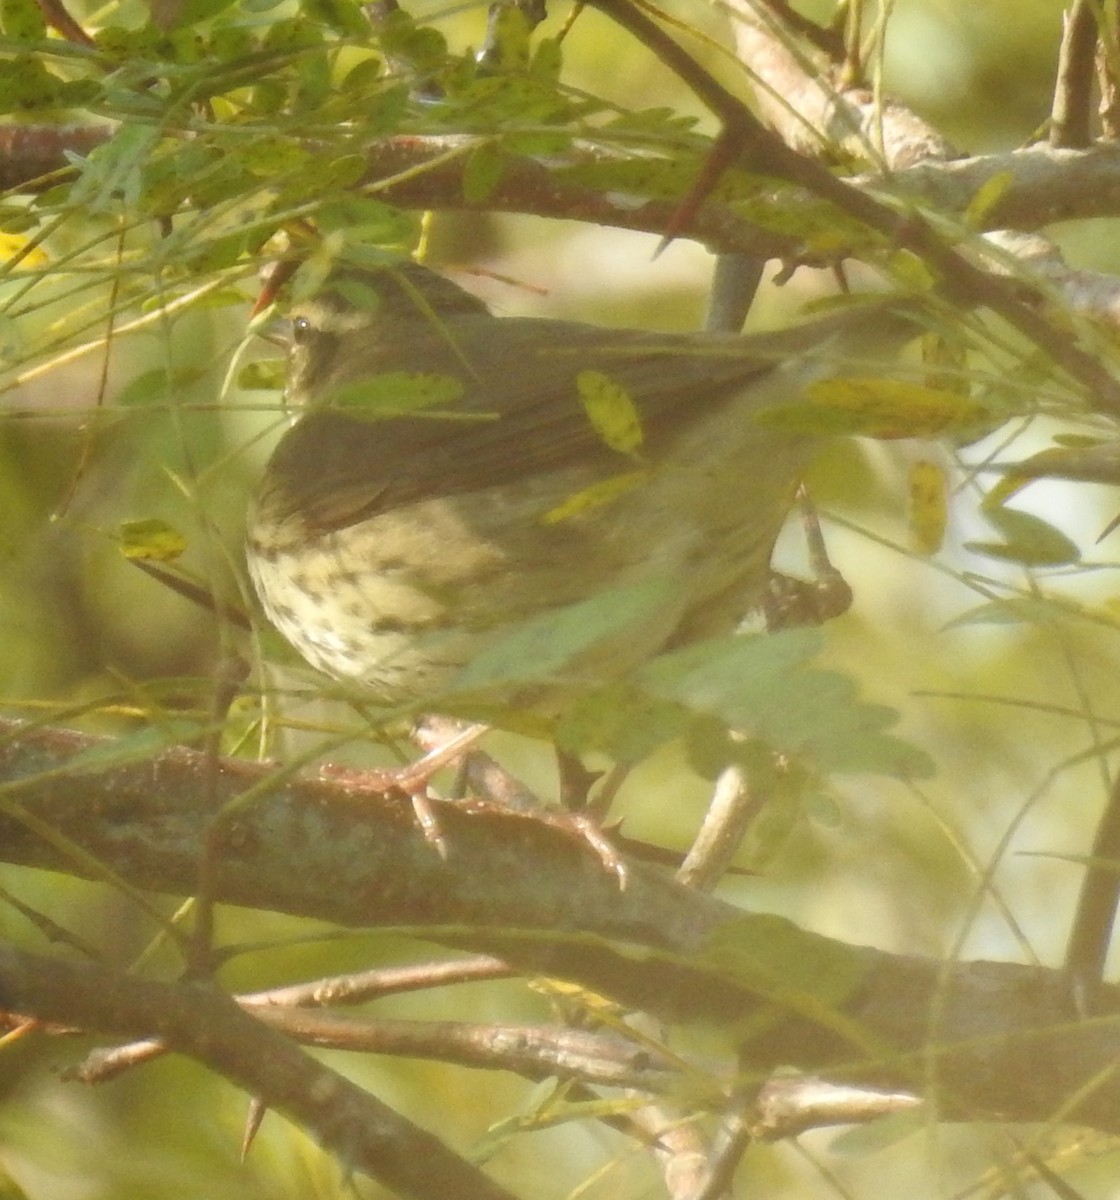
[
  {"x": 446, "y": 741},
  {"x": 413, "y": 778},
  {"x": 790, "y": 602},
  {"x": 576, "y": 781}
]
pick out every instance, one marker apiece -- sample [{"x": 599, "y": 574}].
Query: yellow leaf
[
  {"x": 12, "y": 244},
  {"x": 928, "y": 506},
  {"x": 152, "y": 540},
  {"x": 889, "y": 408},
  {"x": 611, "y": 411},
  {"x": 987, "y": 196},
  {"x": 597, "y": 494}
]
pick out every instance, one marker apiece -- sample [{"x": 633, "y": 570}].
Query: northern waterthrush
[{"x": 393, "y": 550}]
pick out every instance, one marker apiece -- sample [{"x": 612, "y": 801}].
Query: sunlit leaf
[
  {"x": 868, "y": 406},
  {"x": 272, "y": 155},
  {"x": 151, "y": 540},
  {"x": 987, "y": 196},
  {"x": 611, "y": 411},
  {"x": 929, "y": 511},
  {"x": 12, "y": 244},
  {"x": 595, "y": 495}
]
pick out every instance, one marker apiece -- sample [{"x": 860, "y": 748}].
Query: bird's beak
[
  {"x": 278, "y": 331},
  {"x": 272, "y": 328}
]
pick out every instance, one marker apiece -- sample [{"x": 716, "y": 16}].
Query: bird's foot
[
  {"x": 413, "y": 779},
  {"x": 447, "y": 742}
]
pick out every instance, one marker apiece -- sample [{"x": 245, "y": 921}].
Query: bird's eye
[{"x": 301, "y": 329}]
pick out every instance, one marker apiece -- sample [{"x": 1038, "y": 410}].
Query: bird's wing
[{"x": 520, "y": 412}]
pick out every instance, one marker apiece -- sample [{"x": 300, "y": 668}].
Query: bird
[{"x": 454, "y": 482}]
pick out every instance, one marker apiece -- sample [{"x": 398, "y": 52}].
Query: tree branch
[
  {"x": 198, "y": 1020},
  {"x": 1038, "y": 186},
  {"x": 969, "y": 1034},
  {"x": 1071, "y": 114}
]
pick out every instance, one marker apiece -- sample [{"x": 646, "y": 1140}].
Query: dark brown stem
[
  {"x": 55, "y": 14},
  {"x": 1095, "y": 914}
]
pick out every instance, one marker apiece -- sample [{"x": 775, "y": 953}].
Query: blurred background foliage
[{"x": 1017, "y": 715}]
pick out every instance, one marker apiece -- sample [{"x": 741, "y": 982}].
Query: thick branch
[
  {"x": 972, "y": 1034},
  {"x": 815, "y": 117},
  {"x": 198, "y": 1020},
  {"x": 1039, "y": 186}
]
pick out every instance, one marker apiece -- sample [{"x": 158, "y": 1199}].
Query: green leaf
[
  {"x": 620, "y": 721},
  {"x": 157, "y": 386},
  {"x": 113, "y": 173},
  {"x": 14, "y": 219},
  {"x": 132, "y": 747},
  {"x": 507, "y": 39},
  {"x": 482, "y": 171},
  {"x": 763, "y": 686},
  {"x": 987, "y": 196},
  {"x": 395, "y": 393},
  {"x": 343, "y": 16},
  {"x": 1027, "y": 539},
  {"x": 547, "y": 647},
  {"x": 869, "y": 406},
  {"x": 125, "y": 45},
  {"x": 1088, "y": 460},
  {"x": 707, "y": 676},
  {"x": 611, "y": 410},
  {"x": 151, "y": 540},
  {"x": 656, "y": 178},
  {"x": 23, "y": 20},
  {"x": 364, "y": 219},
  {"x": 595, "y": 495},
  {"x": 929, "y": 505},
  {"x": 11, "y": 338},
  {"x": 1015, "y": 610},
  {"x": 773, "y": 956},
  {"x": 269, "y": 155},
  {"x": 423, "y": 47},
  {"x": 292, "y": 33},
  {"x": 264, "y": 375},
  {"x": 27, "y": 86},
  {"x": 548, "y": 60},
  {"x": 144, "y": 388},
  {"x": 882, "y": 1133},
  {"x": 321, "y": 174},
  {"x": 231, "y": 43}
]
